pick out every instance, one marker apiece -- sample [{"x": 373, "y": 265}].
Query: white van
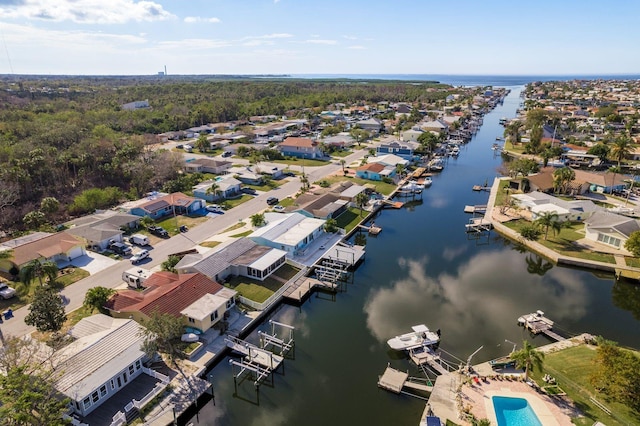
[{"x": 139, "y": 239}]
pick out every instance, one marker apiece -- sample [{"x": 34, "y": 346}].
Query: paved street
[{"x": 112, "y": 276}]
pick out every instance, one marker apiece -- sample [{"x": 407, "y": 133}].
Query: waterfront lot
[
  {"x": 565, "y": 241},
  {"x": 572, "y": 369},
  {"x": 259, "y": 291},
  {"x": 381, "y": 187}
]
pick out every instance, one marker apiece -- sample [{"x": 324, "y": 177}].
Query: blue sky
[{"x": 326, "y": 37}]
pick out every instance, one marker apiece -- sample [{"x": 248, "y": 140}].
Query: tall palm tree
[
  {"x": 562, "y": 177},
  {"x": 547, "y": 220},
  {"x": 214, "y": 190},
  {"x": 38, "y": 269},
  {"x": 512, "y": 131},
  {"x": 342, "y": 163},
  {"x": 528, "y": 358},
  {"x": 620, "y": 148},
  {"x": 361, "y": 200}
]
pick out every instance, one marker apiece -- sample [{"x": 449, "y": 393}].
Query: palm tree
[
  {"x": 400, "y": 170},
  {"x": 547, "y": 220},
  {"x": 528, "y": 358},
  {"x": 214, "y": 190},
  {"x": 37, "y": 269},
  {"x": 620, "y": 149},
  {"x": 342, "y": 163},
  {"x": 361, "y": 200},
  {"x": 512, "y": 131},
  {"x": 562, "y": 177}
]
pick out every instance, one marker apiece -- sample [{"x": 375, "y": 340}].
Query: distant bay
[{"x": 471, "y": 80}]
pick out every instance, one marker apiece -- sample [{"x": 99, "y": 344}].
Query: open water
[{"x": 422, "y": 268}]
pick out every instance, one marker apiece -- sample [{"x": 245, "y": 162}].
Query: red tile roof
[
  {"x": 372, "y": 167},
  {"x": 166, "y": 292}
]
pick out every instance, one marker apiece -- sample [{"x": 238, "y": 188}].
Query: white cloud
[
  {"x": 322, "y": 41},
  {"x": 195, "y": 44},
  {"x": 348, "y": 37},
  {"x": 86, "y": 11},
  {"x": 356, "y": 47},
  {"x": 194, "y": 19}
]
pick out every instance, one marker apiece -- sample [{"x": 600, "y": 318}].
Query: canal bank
[{"x": 421, "y": 269}]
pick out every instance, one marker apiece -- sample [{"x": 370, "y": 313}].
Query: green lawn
[
  {"x": 232, "y": 227},
  {"x": 572, "y": 369},
  {"x": 236, "y": 202},
  {"x": 286, "y": 271},
  {"x": 563, "y": 242},
  {"x": 381, "y": 187},
  {"x": 242, "y": 234},
  {"x": 268, "y": 186},
  {"x": 255, "y": 290},
  {"x": 171, "y": 224},
  {"x": 210, "y": 244},
  {"x": 286, "y": 202},
  {"x": 68, "y": 276},
  {"x": 632, "y": 261},
  {"x": 303, "y": 162},
  {"x": 341, "y": 154},
  {"x": 350, "y": 218}
]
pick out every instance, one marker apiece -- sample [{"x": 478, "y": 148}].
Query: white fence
[{"x": 119, "y": 419}]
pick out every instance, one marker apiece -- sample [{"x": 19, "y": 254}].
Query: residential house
[
  {"x": 375, "y": 171},
  {"x": 198, "y": 300},
  {"x": 291, "y": 232},
  {"x": 300, "y": 148},
  {"x": 241, "y": 257},
  {"x": 434, "y": 126},
  {"x": 158, "y": 206},
  {"x": 350, "y": 194},
  {"x": 325, "y": 206},
  {"x": 105, "y": 356},
  {"x": 246, "y": 175},
  {"x": 372, "y": 125},
  {"x": 99, "y": 229},
  {"x": 341, "y": 141},
  {"x": 610, "y": 228},
  {"x": 228, "y": 187},
  {"x": 539, "y": 203},
  {"x": 207, "y": 165},
  {"x": 61, "y": 246},
  {"x": 401, "y": 149},
  {"x": 411, "y": 135}
]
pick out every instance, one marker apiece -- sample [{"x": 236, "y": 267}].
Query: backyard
[
  {"x": 572, "y": 369},
  {"x": 350, "y": 218},
  {"x": 259, "y": 291},
  {"x": 381, "y": 187}
]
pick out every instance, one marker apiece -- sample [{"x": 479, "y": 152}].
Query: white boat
[
  {"x": 419, "y": 337},
  {"x": 427, "y": 181},
  {"x": 413, "y": 186},
  {"x": 537, "y": 316}
]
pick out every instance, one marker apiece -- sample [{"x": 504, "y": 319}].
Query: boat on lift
[{"x": 421, "y": 336}]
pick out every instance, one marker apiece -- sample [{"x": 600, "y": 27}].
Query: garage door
[{"x": 76, "y": 252}]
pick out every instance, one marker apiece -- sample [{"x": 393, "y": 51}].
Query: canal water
[{"x": 422, "y": 268}]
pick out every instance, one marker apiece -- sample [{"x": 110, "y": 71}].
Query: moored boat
[{"x": 419, "y": 337}]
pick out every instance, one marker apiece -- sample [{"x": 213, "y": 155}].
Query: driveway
[{"x": 93, "y": 262}]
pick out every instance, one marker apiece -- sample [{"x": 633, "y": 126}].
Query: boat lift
[{"x": 272, "y": 339}]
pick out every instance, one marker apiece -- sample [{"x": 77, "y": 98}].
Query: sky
[{"x": 464, "y": 37}]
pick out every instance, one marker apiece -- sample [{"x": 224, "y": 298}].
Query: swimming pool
[{"x": 514, "y": 412}]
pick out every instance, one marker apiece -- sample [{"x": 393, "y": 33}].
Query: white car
[
  {"x": 215, "y": 208},
  {"x": 138, "y": 257},
  {"x": 278, "y": 208},
  {"x": 6, "y": 292}
]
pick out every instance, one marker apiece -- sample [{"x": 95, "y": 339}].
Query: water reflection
[
  {"x": 537, "y": 265},
  {"x": 627, "y": 296},
  {"x": 484, "y": 298}
]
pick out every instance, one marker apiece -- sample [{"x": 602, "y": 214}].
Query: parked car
[
  {"x": 215, "y": 208},
  {"x": 138, "y": 257},
  {"x": 6, "y": 292},
  {"x": 227, "y": 154},
  {"x": 279, "y": 208},
  {"x": 250, "y": 191},
  {"x": 119, "y": 248},
  {"x": 139, "y": 239},
  {"x": 158, "y": 231},
  {"x": 272, "y": 201}
]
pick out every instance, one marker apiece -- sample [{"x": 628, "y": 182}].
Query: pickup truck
[{"x": 158, "y": 231}]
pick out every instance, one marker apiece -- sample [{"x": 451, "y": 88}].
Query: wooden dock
[
  {"x": 396, "y": 381},
  {"x": 394, "y": 204},
  {"x": 430, "y": 358},
  {"x": 303, "y": 286},
  {"x": 419, "y": 172},
  {"x": 481, "y": 188},
  {"x": 479, "y": 224},
  {"x": 480, "y": 208},
  {"x": 537, "y": 323},
  {"x": 373, "y": 229}
]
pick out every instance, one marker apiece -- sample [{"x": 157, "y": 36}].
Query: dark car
[
  {"x": 158, "y": 231},
  {"x": 119, "y": 248},
  {"x": 249, "y": 191},
  {"x": 272, "y": 201},
  {"x": 227, "y": 154}
]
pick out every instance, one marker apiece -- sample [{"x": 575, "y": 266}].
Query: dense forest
[{"x": 60, "y": 136}]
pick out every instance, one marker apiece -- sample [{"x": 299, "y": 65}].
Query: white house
[
  {"x": 539, "y": 203},
  {"x": 103, "y": 359},
  {"x": 225, "y": 188},
  {"x": 291, "y": 232},
  {"x": 610, "y": 228}
]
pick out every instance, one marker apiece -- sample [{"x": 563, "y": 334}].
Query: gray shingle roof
[{"x": 213, "y": 264}]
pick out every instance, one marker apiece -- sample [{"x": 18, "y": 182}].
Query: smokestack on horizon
[{"x": 165, "y": 70}]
